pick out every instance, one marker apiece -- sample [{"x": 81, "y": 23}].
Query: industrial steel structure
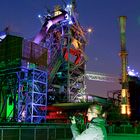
[
  {"x": 23, "y": 80},
  {"x": 48, "y": 69},
  {"x": 125, "y": 106}
]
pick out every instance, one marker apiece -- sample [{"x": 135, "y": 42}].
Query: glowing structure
[
  {"x": 125, "y": 106},
  {"x": 96, "y": 76},
  {"x": 65, "y": 40},
  {"x": 48, "y": 69},
  {"x": 23, "y": 80}
]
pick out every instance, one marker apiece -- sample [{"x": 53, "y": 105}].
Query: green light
[{"x": 10, "y": 108}]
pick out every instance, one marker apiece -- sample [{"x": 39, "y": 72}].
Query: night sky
[{"x": 101, "y": 15}]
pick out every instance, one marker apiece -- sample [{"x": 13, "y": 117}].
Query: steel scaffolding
[
  {"x": 24, "y": 94},
  {"x": 32, "y": 95}
]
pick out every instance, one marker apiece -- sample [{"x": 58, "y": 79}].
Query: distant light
[
  {"x": 68, "y": 9},
  {"x": 89, "y": 30},
  {"x": 70, "y": 22},
  {"x": 2, "y": 35},
  {"x": 123, "y": 109},
  {"x": 39, "y": 16},
  {"x": 69, "y": 6},
  {"x": 132, "y": 72}
]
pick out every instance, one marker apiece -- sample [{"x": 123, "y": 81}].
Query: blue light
[
  {"x": 132, "y": 72},
  {"x": 69, "y": 6},
  {"x": 70, "y": 22},
  {"x": 39, "y": 16},
  {"x": 2, "y": 35}
]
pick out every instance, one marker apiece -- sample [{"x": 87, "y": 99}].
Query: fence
[
  {"x": 57, "y": 132},
  {"x": 124, "y": 129},
  {"x": 36, "y": 132}
]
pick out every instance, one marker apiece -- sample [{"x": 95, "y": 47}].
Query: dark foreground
[{"x": 60, "y": 132}]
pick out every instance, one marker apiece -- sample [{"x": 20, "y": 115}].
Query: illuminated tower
[{"x": 125, "y": 107}]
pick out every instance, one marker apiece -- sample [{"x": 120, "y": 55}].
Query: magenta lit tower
[{"x": 125, "y": 106}]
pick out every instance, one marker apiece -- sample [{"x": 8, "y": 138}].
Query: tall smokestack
[{"x": 125, "y": 107}]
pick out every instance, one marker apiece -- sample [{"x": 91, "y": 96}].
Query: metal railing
[
  {"x": 124, "y": 129},
  {"x": 51, "y": 131},
  {"x": 35, "y": 132}
]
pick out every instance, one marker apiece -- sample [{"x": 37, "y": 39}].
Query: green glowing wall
[{"x": 9, "y": 108}]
